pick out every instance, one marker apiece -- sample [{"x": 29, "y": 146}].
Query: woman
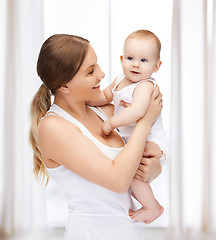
[{"x": 93, "y": 171}]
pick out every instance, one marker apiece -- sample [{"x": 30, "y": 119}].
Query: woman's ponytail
[
  {"x": 39, "y": 106},
  {"x": 60, "y": 58}
]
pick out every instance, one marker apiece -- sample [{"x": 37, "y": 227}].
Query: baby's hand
[{"x": 106, "y": 128}]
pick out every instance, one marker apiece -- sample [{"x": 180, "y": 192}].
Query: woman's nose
[{"x": 102, "y": 74}]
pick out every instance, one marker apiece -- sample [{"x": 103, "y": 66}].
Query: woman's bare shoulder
[
  {"x": 52, "y": 127},
  {"x": 108, "y": 109},
  {"x": 52, "y": 123}
]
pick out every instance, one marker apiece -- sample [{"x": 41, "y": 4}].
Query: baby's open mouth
[{"x": 134, "y": 72}]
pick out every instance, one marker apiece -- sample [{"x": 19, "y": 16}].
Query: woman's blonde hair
[{"x": 60, "y": 58}]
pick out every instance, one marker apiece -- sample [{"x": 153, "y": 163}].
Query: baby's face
[{"x": 140, "y": 59}]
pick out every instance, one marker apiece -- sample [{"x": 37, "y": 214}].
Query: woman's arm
[{"x": 63, "y": 142}]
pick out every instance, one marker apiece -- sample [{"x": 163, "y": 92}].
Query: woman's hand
[
  {"x": 149, "y": 169},
  {"x": 150, "y": 166},
  {"x": 155, "y": 107}
]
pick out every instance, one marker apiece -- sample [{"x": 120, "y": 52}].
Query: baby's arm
[
  {"x": 105, "y": 97},
  {"x": 141, "y": 99}
]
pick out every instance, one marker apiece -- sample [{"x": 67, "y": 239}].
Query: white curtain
[
  {"x": 21, "y": 198},
  {"x": 193, "y": 115}
]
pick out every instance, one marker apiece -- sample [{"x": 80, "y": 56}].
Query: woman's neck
[{"x": 78, "y": 110}]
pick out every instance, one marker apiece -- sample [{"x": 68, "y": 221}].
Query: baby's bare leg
[{"x": 151, "y": 209}]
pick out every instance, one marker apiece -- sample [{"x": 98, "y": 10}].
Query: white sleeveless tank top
[
  {"x": 94, "y": 211},
  {"x": 126, "y": 94}
]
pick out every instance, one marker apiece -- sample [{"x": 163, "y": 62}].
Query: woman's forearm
[{"x": 128, "y": 160}]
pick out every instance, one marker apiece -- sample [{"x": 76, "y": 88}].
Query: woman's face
[{"x": 85, "y": 85}]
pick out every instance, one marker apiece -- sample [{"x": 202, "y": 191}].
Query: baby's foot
[{"x": 146, "y": 215}]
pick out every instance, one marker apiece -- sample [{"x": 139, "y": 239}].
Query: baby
[{"x": 140, "y": 59}]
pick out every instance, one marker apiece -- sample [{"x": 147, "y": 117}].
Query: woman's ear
[
  {"x": 64, "y": 89},
  {"x": 157, "y": 65}
]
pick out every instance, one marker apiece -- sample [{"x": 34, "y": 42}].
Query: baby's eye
[
  {"x": 143, "y": 60},
  {"x": 129, "y": 58}
]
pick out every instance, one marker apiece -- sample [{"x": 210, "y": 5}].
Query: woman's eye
[
  {"x": 91, "y": 71},
  {"x": 143, "y": 60},
  {"x": 129, "y": 58}
]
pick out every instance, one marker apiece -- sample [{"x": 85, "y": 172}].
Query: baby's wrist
[
  {"x": 110, "y": 126},
  {"x": 106, "y": 127},
  {"x": 111, "y": 123}
]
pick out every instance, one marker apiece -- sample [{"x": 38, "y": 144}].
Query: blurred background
[{"x": 187, "y": 31}]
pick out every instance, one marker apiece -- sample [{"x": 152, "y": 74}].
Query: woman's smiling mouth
[{"x": 97, "y": 86}]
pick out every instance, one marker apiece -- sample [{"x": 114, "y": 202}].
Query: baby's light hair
[{"x": 146, "y": 34}]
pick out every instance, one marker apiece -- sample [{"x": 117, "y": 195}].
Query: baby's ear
[
  {"x": 121, "y": 58},
  {"x": 157, "y": 65}
]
